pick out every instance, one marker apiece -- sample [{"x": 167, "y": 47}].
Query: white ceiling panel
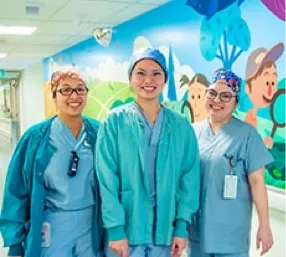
[
  {"x": 117, "y": 1},
  {"x": 16, "y": 9},
  {"x": 18, "y": 22},
  {"x": 10, "y": 40},
  {"x": 128, "y": 13},
  {"x": 5, "y": 48},
  {"x": 18, "y": 63},
  {"x": 33, "y": 40},
  {"x": 53, "y": 28},
  {"x": 61, "y": 24},
  {"x": 75, "y": 40},
  {"x": 35, "y": 50},
  {"x": 92, "y": 11},
  {"x": 45, "y": 40},
  {"x": 158, "y": 2}
]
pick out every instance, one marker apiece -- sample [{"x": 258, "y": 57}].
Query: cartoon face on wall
[
  {"x": 262, "y": 81},
  {"x": 197, "y": 91},
  {"x": 262, "y": 75},
  {"x": 196, "y": 98}
]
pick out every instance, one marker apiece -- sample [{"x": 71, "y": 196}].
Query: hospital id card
[
  {"x": 230, "y": 187},
  {"x": 46, "y": 234}
]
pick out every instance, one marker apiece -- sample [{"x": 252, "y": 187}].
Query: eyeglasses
[
  {"x": 224, "y": 97},
  {"x": 155, "y": 75},
  {"x": 74, "y": 160},
  {"x": 68, "y": 91}
]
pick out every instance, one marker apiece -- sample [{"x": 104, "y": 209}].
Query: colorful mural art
[{"x": 199, "y": 38}]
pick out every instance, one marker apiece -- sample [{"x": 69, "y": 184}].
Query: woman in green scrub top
[
  {"x": 148, "y": 168},
  {"x": 51, "y": 205}
]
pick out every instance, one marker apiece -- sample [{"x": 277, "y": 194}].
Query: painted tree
[
  {"x": 172, "y": 95},
  {"x": 225, "y": 36}
]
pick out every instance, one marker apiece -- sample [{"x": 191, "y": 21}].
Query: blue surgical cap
[{"x": 148, "y": 54}]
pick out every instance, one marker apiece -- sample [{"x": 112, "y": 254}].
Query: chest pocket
[
  {"x": 238, "y": 166},
  {"x": 235, "y": 162}
]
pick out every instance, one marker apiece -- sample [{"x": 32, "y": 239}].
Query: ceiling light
[
  {"x": 16, "y": 30},
  {"x": 2, "y": 55}
]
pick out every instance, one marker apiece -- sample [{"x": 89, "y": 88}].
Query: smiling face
[
  {"x": 220, "y": 102},
  {"x": 263, "y": 86},
  {"x": 147, "y": 80},
  {"x": 71, "y": 105},
  {"x": 197, "y": 92}
]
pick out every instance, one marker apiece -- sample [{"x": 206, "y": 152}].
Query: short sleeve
[{"x": 257, "y": 155}]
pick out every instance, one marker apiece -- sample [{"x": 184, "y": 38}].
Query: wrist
[{"x": 264, "y": 226}]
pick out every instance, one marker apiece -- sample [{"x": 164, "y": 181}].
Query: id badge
[
  {"x": 230, "y": 187},
  {"x": 46, "y": 234}
]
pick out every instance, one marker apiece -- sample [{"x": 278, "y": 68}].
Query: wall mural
[{"x": 202, "y": 37}]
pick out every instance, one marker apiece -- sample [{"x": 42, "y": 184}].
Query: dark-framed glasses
[
  {"x": 73, "y": 165},
  {"x": 224, "y": 97},
  {"x": 68, "y": 91}
]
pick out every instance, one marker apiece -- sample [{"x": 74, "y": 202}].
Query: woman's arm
[{"x": 260, "y": 198}]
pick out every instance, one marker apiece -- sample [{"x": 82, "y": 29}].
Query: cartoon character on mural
[
  {"x": 275, "y": 173},
  {"x": 196, "y": 93},
  {"x": 262, "y": 81}
]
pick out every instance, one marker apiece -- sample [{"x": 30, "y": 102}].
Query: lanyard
[{"x": 80, "y": 142}]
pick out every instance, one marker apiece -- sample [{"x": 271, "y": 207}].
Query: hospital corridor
[{"x": 142, "y": 128}]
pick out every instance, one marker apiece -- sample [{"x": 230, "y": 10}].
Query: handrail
[{"x": 276, "y": 198}]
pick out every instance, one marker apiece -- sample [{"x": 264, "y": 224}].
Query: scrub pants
[
  {"x": 70, "y": 234},
  {"x": 145, "y": 251},
  {"x": 196, "y": 252}
]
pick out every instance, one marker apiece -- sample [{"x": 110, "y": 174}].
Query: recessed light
[
  {"x": 2, "y": 55},
  {"x": 16, "y": 30}
]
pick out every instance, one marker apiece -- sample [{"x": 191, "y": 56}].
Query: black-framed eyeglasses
[
  {"x": 74, "y": 160},
  {"x": 68, "y": 91},
  {"x": 224, "y": 97}
]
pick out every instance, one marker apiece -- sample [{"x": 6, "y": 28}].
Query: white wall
[
  {"x": 5, "y": 130},
  {"x": 32, "y": 109},
  {"x": 277, "y": 222}
]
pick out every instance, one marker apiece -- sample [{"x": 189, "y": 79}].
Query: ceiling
[{"x": 60, "y": 23}]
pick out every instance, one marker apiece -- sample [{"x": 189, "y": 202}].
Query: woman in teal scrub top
[
  {"x": 51, "y": 205},
  {"x": 233, "y": 157},
  {"x": 148, "y": 168}
]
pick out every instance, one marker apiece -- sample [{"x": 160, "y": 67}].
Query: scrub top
[
  {"x": 62, "y": 191},
  {"x": 152, "y": 135},
  {"x": 224, "y": 224}
]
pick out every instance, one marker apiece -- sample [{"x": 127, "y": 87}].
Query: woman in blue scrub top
[
  {"x": 233, "y": 158},
  {"x": 148, "y": 168},
  {"x": 51, "y": 205}
]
